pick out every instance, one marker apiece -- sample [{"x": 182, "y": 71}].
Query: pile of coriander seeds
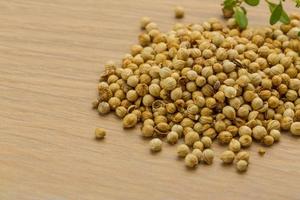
[{"x": 208, "y": 82}]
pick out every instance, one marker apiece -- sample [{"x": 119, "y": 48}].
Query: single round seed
[
  {"x": 227, "y": 157},
  {"x": 144, "y": 22},
  {"x": 295, "y": 128},
  {"x": 198, "y": 145},
  {"x": 191, "y": 137},
  {"x": 261, "y": 151},
  {"x": 275, "y": 134},
  {"x": 100, "y": 133},
  {"x": 245, "y": 140},
  {"x": 191, "y": 160},
  {"x": 198, "y": 153},
  {"x": 172, "y": 137},
  {"x": 155, "y": 145},
  {"x": 147, "y": 130},
  {"x": 259, "y": 132},
  {"x": 243, "y": 155},
  {"x": 230, "y": 92},
  {"x": 206, "y": 141},
  {"x": 242, "y": 165},
  {"x": 208, "y": 156},
  {"x": 182, "y": 150},
  {"x": 179, "y": 12},
  {"x": 129, "y": 120},
  {"x": 234, "y": 145},
  {"x": 103, "y": 107},
  {"x": 268, "y": 140}
]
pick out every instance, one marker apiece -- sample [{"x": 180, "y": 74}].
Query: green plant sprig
[{"x": 236, "y": 9}]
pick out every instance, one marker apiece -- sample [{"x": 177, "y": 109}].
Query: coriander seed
[
  {"x": 182, "y": 150},
  {"x": 227, "y": 157},
  {"x": 191, "y": 137},
  {"x": 268, "y": 140},
  {"x": 261, "y": 151},
  {"x": 103, "y": 107},
  {"x": 295, "y": 128},
  {"x": 198, "y": 145},
  {"x": 155, "y": 145},
  {"x": 147, "y": 130},
  {"x": 259, "y": 132},
  {"x": 172, "y": 137},
  {"x": 242, "y": 165},
  {"x": 208, "y": 156},
  {"x": 243, "y": 155},
  {"x": 100, "y": 133},
  {"x": 206, "y": 141},
  {"x": 198, "y": 153},
  {"x": 179, "y": 12},
  {"x": 129, "y": 120},
  {"x": 144, "y": 22},
  {"x": 234, "y": 145},
  {"x": 191, "y": 160}
]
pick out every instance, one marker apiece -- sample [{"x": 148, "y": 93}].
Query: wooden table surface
[{"x": 51, "y": 55}]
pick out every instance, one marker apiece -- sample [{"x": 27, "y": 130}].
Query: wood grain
[{"x": 51, "y": 55}]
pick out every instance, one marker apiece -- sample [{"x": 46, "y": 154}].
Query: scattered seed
[{"x": 100, "y": 133}]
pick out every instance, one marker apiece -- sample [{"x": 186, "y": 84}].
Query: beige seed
[
  {"x": 242, "y": 165},
  {"x": 243, "y": 155},
  {"x": 206, "y": 141},
  {"x": 245, "y": 140},
  {"x": 147, "y": 130},
  {"x": 275, "y": 134},
  {"x": 155, "y": 145},
  {"x": 172, "y": 137},
  {"x": 230, "y": 92},
  {"x": 224, "y": 137},
  {"x": 178, "y": 129},
  {"x": 103, "y": 108},
  {"x": 234, "y": 145},
  {"x": 191, "y": 160},
  {"x": 208, "y": 156},
  {"x": 295, "y": 128},
  {"x": 268, "y": 140},
  {"x": 179, "y": 12},
  {"x": 227, "y": 157},
  {"x": 191, "y": 137},
  {"x": 198, "y": 153},
  {"x": 259, "y": 132},
  {"x": 257, "y": 103},
  {"x": 198, "y": 145},
  {"x": 168, "y": 83},
  {"x": 229, "y": 112},
  {"x": 182, "y": 150},
  {"x": 245, "y": 130},
  {"x": 129, "y": 120},
  {"x": 261, "y": 151},
  {"x": 144, "y": 22},
  {"x": 121, "y": 111},
  {"x": 100, "y": 133}
]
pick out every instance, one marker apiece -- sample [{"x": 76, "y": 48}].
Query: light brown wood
[{"x": 51, "y": 55}]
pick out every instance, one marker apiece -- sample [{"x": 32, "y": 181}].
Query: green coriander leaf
[
  {"x": 244, "y": 9},
  {"x": 299, "y": 33},
  {"x": 252, "y": 2},
  {"x": 240, "y": 17},
  {"x": 298, "y": 3},
  {"x": 272, "y": 6},
  {"x": 284, "y": 17},
  {"x": 229, "y": 4},
  {"x": 276, "y": 14}
]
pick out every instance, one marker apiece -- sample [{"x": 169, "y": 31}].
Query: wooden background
[{"x": 51, "y": 55}]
